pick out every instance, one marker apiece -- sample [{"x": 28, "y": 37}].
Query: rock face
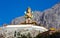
[
  {"x": 49, "y": 18},
  {"x": 52, "y": 16}
]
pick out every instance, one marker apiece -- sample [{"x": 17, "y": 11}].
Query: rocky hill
[
  {"x": 49, "y": 17},
  {"x": 52, "y": 16}
]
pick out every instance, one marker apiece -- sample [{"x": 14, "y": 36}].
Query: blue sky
[{"x": 10, "y": 9}]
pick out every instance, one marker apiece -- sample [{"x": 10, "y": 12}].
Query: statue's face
[{"x": 29, "y": 10}]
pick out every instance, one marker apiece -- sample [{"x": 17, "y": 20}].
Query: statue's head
[{"x": 28, "y": 10}]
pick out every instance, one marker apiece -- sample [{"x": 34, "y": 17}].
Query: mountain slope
[{"x": 52, "y": 16}]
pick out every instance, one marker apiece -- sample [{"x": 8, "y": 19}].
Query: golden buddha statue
[{"x": 28, "y": 15}]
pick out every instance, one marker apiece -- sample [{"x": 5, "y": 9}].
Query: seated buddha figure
[{"x": 28, "y": 15}]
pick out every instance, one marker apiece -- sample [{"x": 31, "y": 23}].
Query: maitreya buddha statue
[{"x": 28, "y": 17}]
